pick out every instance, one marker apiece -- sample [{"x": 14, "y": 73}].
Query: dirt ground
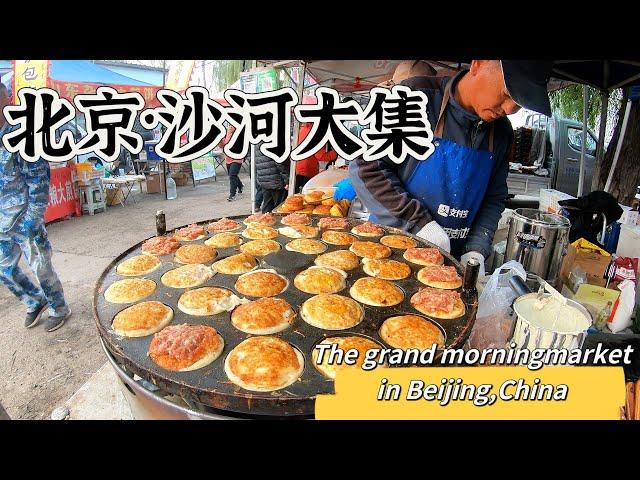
[{"x": 40, "y": 371}]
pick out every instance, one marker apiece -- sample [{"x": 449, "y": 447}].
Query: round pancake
[
  {"x": 424, "y": 256},
  {"x": 314, "y": 197},
  {"x": 235, "y": 264},
  {"x": 411, "y": 331},
  {"x": 370, "y": 249},
  {"x": 258, "y": 219},
  {"x": 196, "y": 253},
  {"x": 224, "y": 240},
  {"x": 184, "y": 232},
  {"x": 260, "y": 248},
  {"x": 163, "y": 245},
  {"x": 129, "y": 290},
  {"x": 438, "y": 303},
  {"x": 398, "y": 241},
  {"x": 184, "y": 347},
  {"x": 307, "y": 246},
  {"x": 299, "y": 231},
  {"x": 367, "y": 229},
  {"x": 338, "y": 238},
  {"x": 187, "y": 276},
  {"x": 223, "y": 225},
  {"x": 340, "y": 259},
  {"x": 261, "y": 283},
  {"x": 207, "y": 301},
  {"x": 142, "y": 319},
  {"x": 346, "y": 343},
  {"x": 440, "y": 276},
  {"x": 264, "y": 364},
  {"x": 331, "y": 312},
  {"x": 376, "y": 292},
  {"x": 385, "y": 269},
  {"x": 138, "y": 265},
  {"x": 332, "y": 223},
  {"x": 316, "y": 280},
  {"x": 259, "y": 232},
  {"x": 296, "y": 219},
  {"x": 264, "y": 316}
]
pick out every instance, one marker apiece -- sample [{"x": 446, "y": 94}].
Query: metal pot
[
  {"x": 529, "y": 334},
  {"x": 538, "y": 241}
]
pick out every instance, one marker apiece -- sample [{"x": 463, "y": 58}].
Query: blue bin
[{"x": 150, "y": 148}]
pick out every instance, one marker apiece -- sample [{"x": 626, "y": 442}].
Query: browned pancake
[
  {"x": 346, "y": 343},
  {"x": 307, "y": 246},
  {"x": 331, "y": 312},
  {"x": 142, "y": 319},
  {"x": 129, "y": 290},
  {"x": 261, "y": 283},
  {"x": 235, "y": 264},
  {"x": 260, "y": 248},
  {"x": 138, "y": 265},
  {"x": 376, "y": 292},
  {"x": 411, "y": 331},
  {"x": 341, "y": 259},
  {"x": 264, "y": 316},
  {"x": 264, "y": 364},
  {"x": 385, "y": 269},
  {"x": 195, "y": 253},
  {"x": 370, "y": 249},
  {"x": 224, "y": 240},
  {"x": 398, "y": 241},
  {"x": 316, "y": 280}
]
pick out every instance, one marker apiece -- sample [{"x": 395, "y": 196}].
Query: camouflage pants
[{"x": 30, "y": 237}]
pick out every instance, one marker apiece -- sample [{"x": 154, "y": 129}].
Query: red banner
[
  {"x": 69, "y": 90},
  {"x": 63, "y": 196}
]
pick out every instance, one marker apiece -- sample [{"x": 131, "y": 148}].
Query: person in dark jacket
[
  {"x": 455, "y": 197},
  {"x": 273, "y": 178}
]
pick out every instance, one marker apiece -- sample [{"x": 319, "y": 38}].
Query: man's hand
[
  {"x": 432, "y": 232},
  {"x": 477, "y": 256},
  {"x": 286, "y": 187}
]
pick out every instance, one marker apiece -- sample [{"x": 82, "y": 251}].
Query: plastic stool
[{"x": 92, "y": 197}]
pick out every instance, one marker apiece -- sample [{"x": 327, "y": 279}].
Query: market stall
[{"x": 70, "y": 78}]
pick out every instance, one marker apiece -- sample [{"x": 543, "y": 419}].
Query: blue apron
[{"x": 452, "y": 182}]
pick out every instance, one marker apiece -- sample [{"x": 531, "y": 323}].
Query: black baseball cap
[{"x": 526, "y": 82}]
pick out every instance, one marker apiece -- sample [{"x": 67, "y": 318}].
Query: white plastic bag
[
  {"x": 494, "y": 320},
  {"x": 623, "y": 307}
]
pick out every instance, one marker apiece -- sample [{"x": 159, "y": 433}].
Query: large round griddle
[{"x": 210, "y": 386}]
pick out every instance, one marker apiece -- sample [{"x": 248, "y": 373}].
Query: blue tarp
[{"x": 84, "y": 71}]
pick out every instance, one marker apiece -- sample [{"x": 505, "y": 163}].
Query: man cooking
[{"x": 455, "y": 197}]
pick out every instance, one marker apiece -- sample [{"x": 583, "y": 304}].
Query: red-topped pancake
[
  {"x": 367, "y": 229},
  {"x": 424, "y": 256},
  {"x": 223, "y": 225},
  {"x": 438, "y": 303},
  {"x": 192, "y": 232},
  {"x": 440, "y": 276},
  {"x": 296, "y": 219},
  {"x": 160, "y": 245},
  {"x": 260, "y": 218},
  {"x": 185, "y": 347},
  {"x": 332, "y": 223}
]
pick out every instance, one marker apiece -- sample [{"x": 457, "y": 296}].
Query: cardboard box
[
  {"x": 629, "y": 217},
  {"x": 114, "y": 196},
  {"x": 154, "y": 183},
  {"x": 180, "y": 178},
  {"x": 592, "y": 262}
]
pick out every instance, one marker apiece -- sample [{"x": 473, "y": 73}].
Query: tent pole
[
  {"x": 604, "y": 100},
  {"x": 623, "y": 129},
  {"x": 583, "y": 152},
  {"x": 164, "y": 163},
  {"x": 302, "y": 71},
  {"x": 253, "y": 178}
]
